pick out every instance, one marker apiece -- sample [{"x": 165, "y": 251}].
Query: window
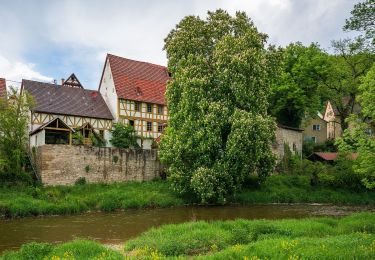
[
  {"x": 149, "y": 126},
  {"x": 149, "y": 108},
  {"x": 294, "y": 147},
  {"x": 369, "y": 131},
  {"x": 313, "y": 138},
  {"x": 160, "y": 109},
  {"x": 137, "y": 106},
  {"x": 160, "y": 127},
  {"x": 316, "y": 127},
  {"x": 101, "y": 133},
  {"x": 131, "y": 122}
]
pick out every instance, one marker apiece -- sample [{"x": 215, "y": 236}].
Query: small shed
[
  {"x": 329, "y": 157},
  {"x": 52, "y": 132}
]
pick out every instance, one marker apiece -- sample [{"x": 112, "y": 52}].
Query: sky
[{"x": 50, "y": 39}]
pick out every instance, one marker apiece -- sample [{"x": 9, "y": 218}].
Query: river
[{"x": 114, "y": 228}]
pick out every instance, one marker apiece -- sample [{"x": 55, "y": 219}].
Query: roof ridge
[{"x": 145, "y": 62}]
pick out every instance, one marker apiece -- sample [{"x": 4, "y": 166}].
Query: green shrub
[{"x": 80, "y": 181}]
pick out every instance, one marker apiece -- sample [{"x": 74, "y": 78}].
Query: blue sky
[{"x": 46, "y": 40}]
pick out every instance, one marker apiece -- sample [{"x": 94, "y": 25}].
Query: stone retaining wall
[{"x": 64, "y": 164}]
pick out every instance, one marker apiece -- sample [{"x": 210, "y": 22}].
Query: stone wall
[
  {"x": 64, "y": 164},
  {"x": 290, "y": 137}
]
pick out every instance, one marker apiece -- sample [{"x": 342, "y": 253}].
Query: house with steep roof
[
  {"x": 315, "y": 129},
  {"x": 3, "y": 88},
  {"x": 61, "y": 110},
  {"x": 135, "y": 94}
]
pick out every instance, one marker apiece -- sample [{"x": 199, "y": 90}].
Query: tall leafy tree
[
  {"x": 219, "y": 131},
  {"x": 363, "y": 19},
  {"x": 14, "y": 118},
  {"x": 296, "y": 93},
  {"x": 351, "y": 61},
  {"x": 357, "y": 138}
]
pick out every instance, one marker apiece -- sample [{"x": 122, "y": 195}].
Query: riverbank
[
  {"x": 60, "y": 200},
  {"x": 350, "y": 237}
]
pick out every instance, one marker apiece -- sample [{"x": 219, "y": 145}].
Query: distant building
[
  {"x": 315, "y": 129},
  {"x": 3, "y": 88},
  {"x": 61, "y": 110},
  {"x": 290, "y": 136},
  {"x": 329, "y": 157},
  {"x": 135, "y": 94}
]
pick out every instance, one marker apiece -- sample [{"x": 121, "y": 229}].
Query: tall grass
[
  {"x": 326, "y": 238},
  {"x": 351, "y": 237},
  {"x": 76, "y": 249},
  {"x": 297, "y": 189},
  {"x": 32, "y": 201}
]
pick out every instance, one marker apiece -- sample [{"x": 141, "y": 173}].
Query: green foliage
[
  {"x": 77, "y": 137},
  {"x": 367, "y": 96},
  {"x": 296, "y": 93},
  {"x": 309, "y": 147},
  {"x": 123, "y": 136},
  {"x": 115, "y": 158},
  {"x": 60, "y": 200},
  {"x": 217, "y": 103},
  {"x": 76, "y": 249},
  {"x": 362, "y": 19},
  {"x": 298, "y": 189},
  {"x": 80, "y": 181},
  {"x": 325, "y": 238},
  {"x": 96, "y": 140},
  {"x": 290, "y": 163},
  {"x": 356, "y": 139},
  {"x": 352, "y": 60},
  {"x": 14, "y": 136}
]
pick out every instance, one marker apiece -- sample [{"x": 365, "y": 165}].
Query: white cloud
[
  {"x": 18, "y": 70},
  {"x": 74, "y": 35}
]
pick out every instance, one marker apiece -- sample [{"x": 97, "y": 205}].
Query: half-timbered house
[
  {"x": 134, "y": 92},
  {"x": 63, "y": 109}
]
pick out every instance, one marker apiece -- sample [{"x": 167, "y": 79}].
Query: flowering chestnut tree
[{"x": 219, "y": 131}]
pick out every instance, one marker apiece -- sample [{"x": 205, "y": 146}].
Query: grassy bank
[
  {"x": 297, "y": 189},
  {"x": 32, "y": 201},
  {"x": 351, "y": 237}
]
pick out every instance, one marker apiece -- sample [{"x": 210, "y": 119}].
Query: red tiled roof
[
  {"x": 139, "y": 81},
  {"x": 333, "y": 156},
  {"x": 3, "y": 88}
]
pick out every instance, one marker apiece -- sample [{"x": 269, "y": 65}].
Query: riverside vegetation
[
  {"x": 58, "y": 200},
  {"x": 351, "y": 237}
]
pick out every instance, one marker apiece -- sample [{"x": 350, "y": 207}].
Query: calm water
[{"x": 114, "y": 228}]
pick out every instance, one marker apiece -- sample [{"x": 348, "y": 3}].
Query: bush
[
  {"x": 124, "y": 136},
  {"x": 80, "y": 181}
]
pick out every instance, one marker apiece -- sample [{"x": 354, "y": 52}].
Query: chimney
[{"x": 62, "y": 81}]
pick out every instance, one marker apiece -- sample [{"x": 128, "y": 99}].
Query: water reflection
[{"x": 120, "y": 226}]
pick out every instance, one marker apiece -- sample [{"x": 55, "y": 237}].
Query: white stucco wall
[
  {"x": 37, "y": 139},
  {"x": 108, "y": 91}
]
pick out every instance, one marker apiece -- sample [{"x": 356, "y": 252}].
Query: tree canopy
[
  {"x": 351, "y": 61},
  {"x": 296, "y": 93},
  {"x": 363, "y": 19},
  {"x": 14, "y": 120},
  {"x": 219, "y": 131}
]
